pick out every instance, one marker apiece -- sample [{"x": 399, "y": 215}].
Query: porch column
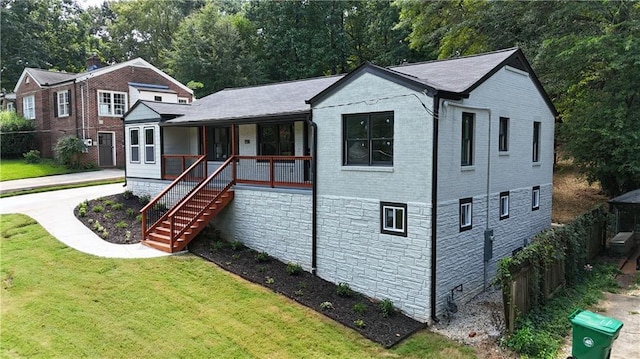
[
  {"x": 203, "y": 133},
  {"x": 233, "y": 152}
]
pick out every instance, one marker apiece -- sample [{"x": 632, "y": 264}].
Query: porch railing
[
  {"x": 174, "y": 165},
  {"x": 156, "y": 210},
  {"x": 274, "y": 171}
]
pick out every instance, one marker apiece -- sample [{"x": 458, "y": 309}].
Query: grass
[
  {"x": 14, "y": 169},
  {"x": 60, "y": 187},
  {"x": 572, "y": 194},
  {"x": 58, "y": 302}
]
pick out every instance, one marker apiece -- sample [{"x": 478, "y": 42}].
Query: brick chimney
[{"x": 93, "y": 62}]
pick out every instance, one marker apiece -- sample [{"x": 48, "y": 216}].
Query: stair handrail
[
  {"x": 164, "y": 192},
  {"x": 203, "y": 185}
]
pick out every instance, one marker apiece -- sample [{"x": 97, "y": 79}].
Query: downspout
[
  {"x": 75, "y": 102},
  {"x": 314, "y": 194},
  {"x": 488, "y": 170},
  {"x": 434, "y": 205}
]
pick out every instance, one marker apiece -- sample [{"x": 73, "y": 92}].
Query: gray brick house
[
  {"x": 90, "y": 105},
  {"x": 407, "y": 182}
]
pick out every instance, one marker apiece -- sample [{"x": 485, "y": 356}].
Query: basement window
[{"x": 393, "y": 218}]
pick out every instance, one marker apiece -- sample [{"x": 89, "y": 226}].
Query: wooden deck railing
[
  {"x": 174, "y": 165},
  {"x": 156, "y": 210},
  {"x": 274, "y": 171}
]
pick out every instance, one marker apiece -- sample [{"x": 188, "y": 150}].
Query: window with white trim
[
  {"x": 149, "y": 145},
  {"x": 535, "y": 198},
  {"x": 157, "y": 98},
  {"x": 63, "y": 104},
  {"x": 134, "y": 147},
  {"x": 11, "y": 106},
  {"x": 393, "y": 218},
  {"x": 468, "y": 120},
  {"x": 29, "y": 107},
  {"x": 503, "y": 135},
  {"x": 112, "y": 103},
  {"x": 536, "y": 142},
  {"x": 504, "y": 205},
  {"x": 466, "y": 213}
]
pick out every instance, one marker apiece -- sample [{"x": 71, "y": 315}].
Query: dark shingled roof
[
  {"x": 632, "y": 197},
  {"x": 45, "y": 77},
  {"x": 455, "y": 75},
  {"x": 279, "y": 99}
]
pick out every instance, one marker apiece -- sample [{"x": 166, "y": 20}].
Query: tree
[
  {"x": 209, "y": 48},
  {"x": 43, "y": 34}
]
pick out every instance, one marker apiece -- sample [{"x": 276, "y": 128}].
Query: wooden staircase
[
  {"x": 197, "y": 201},
  {"x": 160, "y": 237}
]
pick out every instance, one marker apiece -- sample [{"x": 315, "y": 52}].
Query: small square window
[
  {"x": 504, "y": 205},
  {"x": 393, "y": 218},
  {"x": 466, "y": 213},
  {"x": 535, "y": 198},
  {"x": 157, "y": 98}
]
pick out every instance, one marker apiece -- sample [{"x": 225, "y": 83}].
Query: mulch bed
[{"x": 116, "y": 219}]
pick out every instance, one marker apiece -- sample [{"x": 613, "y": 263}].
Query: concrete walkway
[{"x": 54, "y": 211}]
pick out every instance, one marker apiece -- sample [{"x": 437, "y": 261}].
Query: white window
[
  {"x": 466, "y": 210},
  {"x": 149, "y": 147},
  {"x": 504, "y": 205},
  {"x": 112, "y": 103},
  {"x": 63, "y": 103},
  {"x": 183, "y": 100},
  {"x": 134, "y": 140},
  {"x": 535, "y": 198},
  {"x": 393, "y": 218},
  {"x": 11, "y": 106},
  {"x": 29, "y": 107}
]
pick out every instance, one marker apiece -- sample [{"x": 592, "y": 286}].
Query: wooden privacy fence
[{"x": 529, "y": 286}]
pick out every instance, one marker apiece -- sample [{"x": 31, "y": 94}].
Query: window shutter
[
  {"x": 70, "y": 107},
  {"x": 55, "y": 104}
]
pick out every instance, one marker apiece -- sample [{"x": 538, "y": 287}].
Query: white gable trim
[
  {"x": 21, "y": 79},
  {"x": 137, "y": 62}
]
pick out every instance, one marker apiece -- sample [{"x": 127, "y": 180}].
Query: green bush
[
  {"x": 17, "y": 134},
  {"x": 293, "y": 269},
  {"x": 359, "y": 308},
  {"x": 32, "y": 156},
  {"x": 386, "y": 308},
  {"x": 68, "y": 150},
  {"x": 344, "y": 290}
]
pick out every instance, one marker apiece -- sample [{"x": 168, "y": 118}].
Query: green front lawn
[
  {"x": 18, "y": 169},
  {"x": 57, "y": 302}
]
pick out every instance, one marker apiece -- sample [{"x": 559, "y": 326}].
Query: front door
[{"x": 105, "y": 149}]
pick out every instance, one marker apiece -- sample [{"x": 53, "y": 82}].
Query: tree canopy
[{"x": 586, "y": 54}]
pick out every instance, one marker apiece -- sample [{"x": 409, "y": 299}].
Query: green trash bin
[{"x": 593, "y": 334}]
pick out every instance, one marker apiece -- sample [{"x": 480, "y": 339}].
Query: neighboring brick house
[
  {"x": 420, "y": 177},
  {"x": 90, "y": 105}
]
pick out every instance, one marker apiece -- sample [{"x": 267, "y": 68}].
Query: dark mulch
[
  {"x": 114, "y": 218},
  {"x": 304, "y": 287}
]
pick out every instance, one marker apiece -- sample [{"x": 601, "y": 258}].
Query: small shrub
[
  {"x": 116, "y": 206},
  {"x": 359, "y": 323},
  {"x": 122, "y": 224},
  {"x": 359, "y": 308},
  {"x": 270, "y": 280},
  {"x": 139, "y": 218},
  {"x": 32, "y": 156},
  {"x": 127, "y": 236},
  {"x": 108, "y": 215},
  {"x": 217, "y": 245},
  {"x": 109, "y": 203},
  {"x": 127, "y": 194},
  {"x": 130, "y": 212},
  {"x": 302, "y": 285},
  {"x": 105, "y": 234},
  {"x": 344, "y": 290},
  {"x": 144, "y": 200},
  {"x": 326, "y": 305},
  {"x": 82, "y": 211},
  {"x": 262, "y": 257},
  {"x": 235, "y": 256},
  {"x": 386, "y": 308},
  {"x": 97, "y": 209},
  {"x": 293, "y": 268},
  {"x": 237, "y": 246},
  {"x": 298, "y": 293},
  {"x": 68, "y": 150}
]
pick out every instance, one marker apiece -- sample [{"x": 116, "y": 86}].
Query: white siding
[
  {"x": 141, "y": 169},
  {"x": 180, "y": 140},
  {"x": 142, "y": 112}
]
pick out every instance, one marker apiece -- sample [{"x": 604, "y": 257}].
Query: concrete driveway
[{"x": 54, "y": 211}]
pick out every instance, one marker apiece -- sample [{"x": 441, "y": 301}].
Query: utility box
[
  {"x": 488, "y": 245},
  {"x": 593, "y": 334}
]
